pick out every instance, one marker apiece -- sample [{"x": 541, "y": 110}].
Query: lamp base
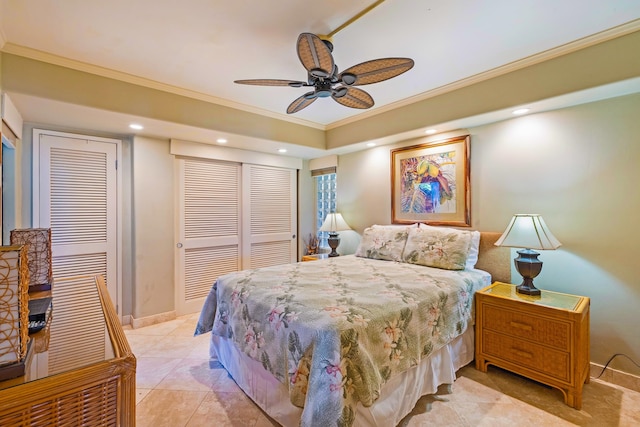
[
  {"x": 527, "y": 290},
  {"x": 333, "y": 240},
  {"x": 529, "y": 266}
]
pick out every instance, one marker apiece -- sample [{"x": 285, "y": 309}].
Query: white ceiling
[{"x": 201, "y": 46}]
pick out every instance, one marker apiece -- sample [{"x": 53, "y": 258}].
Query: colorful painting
[{"x": 430, "y": 183}]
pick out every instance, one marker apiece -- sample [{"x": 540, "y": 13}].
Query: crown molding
[
  {"x": 49, "y": 58},
  {"x": 565, "y": 49},
  {"x": 603, "y": 36}
]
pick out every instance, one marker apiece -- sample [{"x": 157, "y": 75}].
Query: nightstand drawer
[
  {"x": 554, "y": 333},
  {"x": 528, "y": 355}
]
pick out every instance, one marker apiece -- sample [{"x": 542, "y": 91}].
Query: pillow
[
  {"x": 472, "y": 259},
  {"x": 386, "y": 243},
  {"x": 474, "y": 250},
  {"x": 395, "y": 226},
  {"x": 445, "y": 248}
]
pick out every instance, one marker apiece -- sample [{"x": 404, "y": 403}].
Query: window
[{"x": 325, "y": 203}]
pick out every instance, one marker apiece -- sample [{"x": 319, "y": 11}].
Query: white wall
[
  {"x": 306, "y": 207},
  {"x": 578, "y": 167},
  {"x": 153, "y": 227}
]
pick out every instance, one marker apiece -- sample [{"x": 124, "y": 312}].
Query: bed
[{"x": 354, "y": 340}]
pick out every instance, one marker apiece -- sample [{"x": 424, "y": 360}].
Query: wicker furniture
[
  {"x": 314, "y": 257},
  {"x": 98, "y": 394},
  {"x": 38, "y": 243},
  {"x": 14, "y": 312},
  {"x": 544, "y": 338}
]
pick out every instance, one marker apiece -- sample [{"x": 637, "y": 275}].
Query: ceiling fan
[{"x": 326, "y": 81}]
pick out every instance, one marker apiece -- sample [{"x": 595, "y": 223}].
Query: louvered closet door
[
  {"x": 208, "y": 243},
  {"x": 78, "y": 201},
  {"x": 78, "y": 334},
  {"x": 270, "y": 216}
]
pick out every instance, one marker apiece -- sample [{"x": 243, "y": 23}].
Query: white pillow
[{"x": 472, "y": 260}]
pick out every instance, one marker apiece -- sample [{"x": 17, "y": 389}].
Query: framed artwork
[{"x": 430, "y": 183}]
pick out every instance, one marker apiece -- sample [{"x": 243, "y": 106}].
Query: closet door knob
[{"x": 179, "y": 245}]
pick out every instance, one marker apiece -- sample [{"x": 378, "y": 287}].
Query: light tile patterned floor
[{"x": 176, "y": 387}]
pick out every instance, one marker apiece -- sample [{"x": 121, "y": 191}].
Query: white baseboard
[
  {"x": 126, "y": 320},
  {"x": 613, "y": 376},
  {"x": 152, "y": 320}
]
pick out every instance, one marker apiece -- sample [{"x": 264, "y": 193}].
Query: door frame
[{"x": 35, "y": 194}]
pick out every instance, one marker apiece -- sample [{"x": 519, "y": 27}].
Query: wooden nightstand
[
  {"x": 314, "y": 257},
  {"x": 544, "y": 338}
]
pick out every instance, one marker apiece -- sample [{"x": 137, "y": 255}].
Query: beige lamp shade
[
  {"x": 334, "y": 222},
  {"x": 528, "y": 231}
]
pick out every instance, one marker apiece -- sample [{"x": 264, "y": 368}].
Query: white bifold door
[
  {"x": 231, "y": 216},
  {"x": 75, "y": 183}
]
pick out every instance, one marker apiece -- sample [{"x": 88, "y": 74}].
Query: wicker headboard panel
[{"x": 494, "y": 259}]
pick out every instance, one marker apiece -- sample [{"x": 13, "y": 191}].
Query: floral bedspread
[{"x": 336, "y": 330}]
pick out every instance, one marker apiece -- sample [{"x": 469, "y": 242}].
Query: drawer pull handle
[
  {"x": 523, "y": 354},
  {"x": 522, "y": 326}
]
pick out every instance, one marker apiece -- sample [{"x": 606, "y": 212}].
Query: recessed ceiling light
[
  {"x": 136, "y": 126},
  {"x": 221, "y": 141},
  {"x": 520, "y": 111},
  {"x": 430, "y": 131},
  {"x": 282, "y": 150},
  {"x": 371, "y": 144}
]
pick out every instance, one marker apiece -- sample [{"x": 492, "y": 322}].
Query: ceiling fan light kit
[{"x": 323, "y": 76}]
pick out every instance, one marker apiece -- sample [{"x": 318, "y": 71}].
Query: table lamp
[
  {"x": 528, "y": 231},
  {"x": 334, "y": 223}
]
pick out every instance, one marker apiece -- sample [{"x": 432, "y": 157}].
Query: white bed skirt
[{"x": 397, "y": 398}]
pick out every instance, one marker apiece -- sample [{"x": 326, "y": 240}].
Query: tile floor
[{"x": 176, "y": 387}]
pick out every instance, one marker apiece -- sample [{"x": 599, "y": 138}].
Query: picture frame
[{"x": 430, "y": 183}]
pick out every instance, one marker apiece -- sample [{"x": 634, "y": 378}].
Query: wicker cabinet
[
  {"x": 314, "y": 257},
  {"x": 100, "y": 393},
  {"x": 544, "y": 338}
]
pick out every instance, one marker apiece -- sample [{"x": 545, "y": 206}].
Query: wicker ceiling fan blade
[
  {"x": 300, "y": 103},
  {"x": 272, "y": 82},
  {"x": 355, "y": 98},
  {"x": 375, "y": 71},
  {"x": 315, "y": 55}
]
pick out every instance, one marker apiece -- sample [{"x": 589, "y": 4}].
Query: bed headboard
[{"x": 494, "y": 259}]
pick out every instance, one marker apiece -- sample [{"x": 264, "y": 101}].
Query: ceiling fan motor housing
[{"x": 323, "y": 89}]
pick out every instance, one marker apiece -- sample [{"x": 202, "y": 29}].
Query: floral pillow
[
  {"x": 395, "y": 226},
  {"x": 436, "y": 247},
  {"x": 386, "y": 243}
]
